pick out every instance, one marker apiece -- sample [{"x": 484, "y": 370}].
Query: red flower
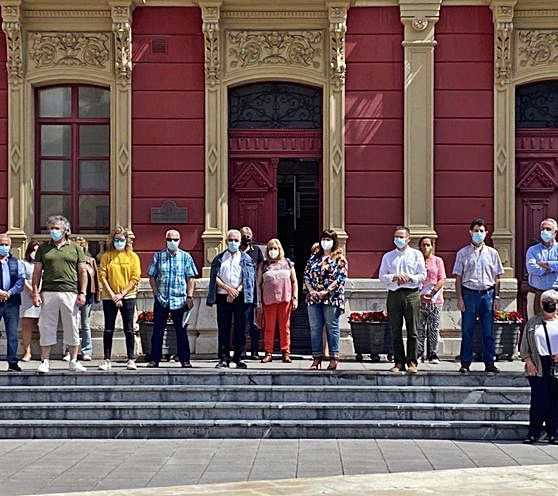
[
  {"x": 503, "y": 316},
  {"x": 368, "y": 317},
  {"x": 145, "y": 317}
]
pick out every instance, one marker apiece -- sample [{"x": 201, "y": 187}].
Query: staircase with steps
[{"x": 172, "y": 403}]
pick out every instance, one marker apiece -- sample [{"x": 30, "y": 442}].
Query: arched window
[{"x": 72, "y": 151}]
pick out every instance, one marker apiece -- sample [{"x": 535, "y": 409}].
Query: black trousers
[
  {"x": 544, "y": 402},
  {"x": 225, "y": 314},
  {"x": 404, "y": 304},
  {"x": 111, "y": 311}
]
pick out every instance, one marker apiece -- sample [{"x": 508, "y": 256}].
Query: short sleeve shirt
[
  {"x": 60, "y": 266},
  {"x": 478, "y": 268}
]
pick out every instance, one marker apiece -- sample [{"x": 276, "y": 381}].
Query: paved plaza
[{"x": 43, "y": 467}]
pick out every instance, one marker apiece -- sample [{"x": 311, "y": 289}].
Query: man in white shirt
[{"x": 402, "y": 271}]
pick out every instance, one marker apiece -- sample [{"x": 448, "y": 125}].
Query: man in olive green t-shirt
[{"x": 60, "y": 264}]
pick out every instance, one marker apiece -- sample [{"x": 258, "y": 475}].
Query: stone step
[
  {"x": 379, "y": 429},
  {"x": 205, "y": 377},
  {"x": 250, "y": 411},
  {"x": 266, "y": 393}
]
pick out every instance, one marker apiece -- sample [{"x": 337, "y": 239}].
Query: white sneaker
[
  {"x": 86, "y": 358},
  {"x": 105, "y": 365},
  {"x": 43, "y": 368},
  {"x": 131, "y": 365},
  {"x": 66, "y": 357},
  {"x": 75, "y": 366}
]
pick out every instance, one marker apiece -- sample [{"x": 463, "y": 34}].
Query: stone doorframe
[
  {"x": 41, "y": 43},
  {"x": 243, "y": 47},
  {"x": 525, "y": 50}
]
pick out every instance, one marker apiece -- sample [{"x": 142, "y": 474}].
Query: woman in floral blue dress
[{"x": 324, "y": 281}]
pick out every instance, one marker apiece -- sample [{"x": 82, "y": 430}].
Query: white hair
[
  {"x": 552, "y": 221},
  {"x": 236, "y": 232},
  {"x": 172, "y": 231},
  {"x": 550, "y": 295}
]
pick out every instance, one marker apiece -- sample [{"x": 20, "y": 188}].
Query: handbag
[{"x": 553, "y": 372}]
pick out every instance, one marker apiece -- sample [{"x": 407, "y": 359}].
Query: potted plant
[
  {"x": 371, "y": 335},
  {"x": 506, "y": 330},
  {"x": 145, "y": 321}
]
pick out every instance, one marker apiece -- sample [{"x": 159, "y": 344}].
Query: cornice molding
[{"x": 66, "y": 13}]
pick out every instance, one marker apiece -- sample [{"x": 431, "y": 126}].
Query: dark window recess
[
  {"x": 537, "y": 105},
  {"x": 275, "y": 106},
  {"x": 159, "y": 46}
]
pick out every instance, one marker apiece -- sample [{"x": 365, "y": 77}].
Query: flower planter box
[
  {"x": 169, "y": 340},
  {"x": 371, "y": 338},
  {"x": 506, "y": 340}
]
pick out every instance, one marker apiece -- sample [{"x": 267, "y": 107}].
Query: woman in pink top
[
  {"x": 431, "y": 302},
  {"x": 277, "y": 295}
]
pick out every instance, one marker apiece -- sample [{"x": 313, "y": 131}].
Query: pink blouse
[
  {"x": 276, "y": 282},
  {"x": 435, "y": 271}
]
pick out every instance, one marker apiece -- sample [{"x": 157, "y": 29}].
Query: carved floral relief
[{"x": 537, "y": 47}]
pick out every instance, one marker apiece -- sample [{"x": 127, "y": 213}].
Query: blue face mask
[
  {"x": 56, "y": 234},
  {"x": 546, "y": 236},
  {"x": 478, "y": 237},
  {"x": 400, "y": 242},
  {"x": 4, "y": 251},
  {"x": 233, "y": 246},
  {"x": 173, "y": 245},
  {"x": 119, "y": 244}
]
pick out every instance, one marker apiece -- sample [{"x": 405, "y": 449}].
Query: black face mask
[
  {"x": 246, "y": 240},
  {"x": 549, "y": 306}
]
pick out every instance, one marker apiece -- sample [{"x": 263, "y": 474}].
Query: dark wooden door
[{"x": 536, "y": 193}]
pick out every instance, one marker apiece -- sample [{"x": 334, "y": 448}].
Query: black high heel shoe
[
  {"x": 316, "y": 364},
  {"x": 531, "y": 440}
]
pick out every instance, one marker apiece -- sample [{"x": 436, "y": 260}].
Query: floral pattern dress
[{"x": 320, "y": 273}]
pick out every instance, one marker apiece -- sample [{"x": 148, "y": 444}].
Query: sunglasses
[
  {"x": 230, "y": 240},
  {"x": 173, "y": 239}
]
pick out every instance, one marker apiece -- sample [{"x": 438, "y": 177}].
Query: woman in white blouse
[{"x": 539, "y": 351}]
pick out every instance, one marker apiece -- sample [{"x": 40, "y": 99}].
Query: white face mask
[
  {"x": 327, "y": 244},
  {"x": 273, "y": 253}
]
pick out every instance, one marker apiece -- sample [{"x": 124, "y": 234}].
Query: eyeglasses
[{"x": 173, "y": 239}]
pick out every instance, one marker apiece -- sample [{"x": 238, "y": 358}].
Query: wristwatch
[{"x": 82, "y": 293}]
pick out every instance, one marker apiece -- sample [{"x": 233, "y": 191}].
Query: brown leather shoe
[
  {"x": 412, "y": 368},
  {"x": 286, "y": 358},
  {"x": 490, "y": 367},
  {"x": 267, "y": 358},
  {"x": 397, "y": 368}
]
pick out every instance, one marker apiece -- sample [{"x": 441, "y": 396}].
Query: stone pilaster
[
  {"x": 121, "y": 199},
  {"x": 419, "y": 19},
  {"x": 216, "y": 211},
  {"x": 504, "y": 153},
  {"x": 18, "y": 202},
  {"x": 334, "y": 182}
]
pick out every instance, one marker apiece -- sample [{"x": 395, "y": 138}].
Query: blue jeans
[
  {"x": 160, "y": 316},
  {"x": 10, "y": 313},
  {"x": 85, "y": 329},
  {"x": 318, "y": 315},
  {"x": 477, "y": 304}
]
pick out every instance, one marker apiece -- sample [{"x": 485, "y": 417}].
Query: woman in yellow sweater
[{"x": 120, "y": 274}]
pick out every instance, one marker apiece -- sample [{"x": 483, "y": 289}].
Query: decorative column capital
[
  {"x": 502, "y": 15},
  {"x": 337, "y": 16},
  {"x": 419, "y": 19},
  {"x": 11, "y": 25},
  {"x": 211, "y": 14},
  {"x": 121, "y": 13}
]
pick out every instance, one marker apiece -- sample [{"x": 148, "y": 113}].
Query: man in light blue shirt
[{"x": 541, "y": 262}]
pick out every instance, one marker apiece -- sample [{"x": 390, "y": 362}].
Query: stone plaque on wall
[{"x": 169, "y": 213}]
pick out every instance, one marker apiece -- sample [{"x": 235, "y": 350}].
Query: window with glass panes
[{"x": 73, "y": 157}]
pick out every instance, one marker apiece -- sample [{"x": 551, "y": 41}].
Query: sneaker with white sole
[
  {"x": 86, "y": 358},
  {"x": 131, "y": 365},
  {"x": 75, "y": 366},
  {"x": 434, "y": 359},
  {"x": 66, "y": 357},
  {"x": 105, "y": 365},
  {"x": 44, "y": 367}
]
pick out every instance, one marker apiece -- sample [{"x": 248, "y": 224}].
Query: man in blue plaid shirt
[{"x": 172, "y": 275}]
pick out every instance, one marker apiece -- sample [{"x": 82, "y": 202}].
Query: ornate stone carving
[
  {"x": 212, "y": 41},
  {"x": 123, "y": 159},
  {"x": 537, "y": 47},
  {"x": 503, "y": 51},
  {"x": 66, "y": 13},
  {"x": 11, "y": 25},
  {"x": 419, "y": 23},
  {"x": 69, "y": 49},
  {"x": 15, "y": 158},
  {"x": 123, "y": 51},
  {"x": 337, "y": 30},
  {"x": 254, "y": 48}
]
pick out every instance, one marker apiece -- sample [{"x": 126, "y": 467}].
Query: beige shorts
[{"x": 59, "y": 305}]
